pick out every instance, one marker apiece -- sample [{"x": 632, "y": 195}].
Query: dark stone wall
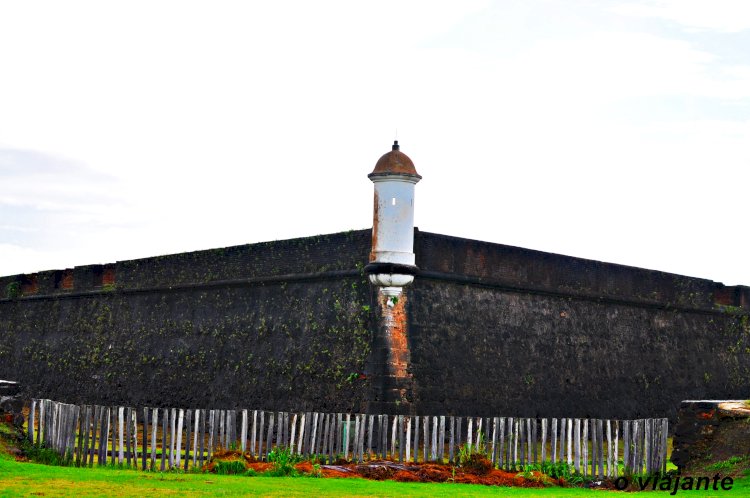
[
  {"x": 488, "y": 329},
  {"x": 501, "y": 330},
  {"x": 481, "y": 351},
  {"x": 299, "y": 342},
  {"x": 711, "y": 431}
]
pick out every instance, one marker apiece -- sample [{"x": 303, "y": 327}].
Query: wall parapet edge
[
  {"x": 528, "y": 289},
  {"x": 240, "y": 282}
]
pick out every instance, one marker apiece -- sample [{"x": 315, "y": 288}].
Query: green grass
[
  {"x": 23, "y": 479},
  {"x": 32, "y": 479},
  {"x": 726, "y": 464}
]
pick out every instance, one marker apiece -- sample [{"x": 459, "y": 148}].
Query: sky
[{"x": 610, "y": 130}]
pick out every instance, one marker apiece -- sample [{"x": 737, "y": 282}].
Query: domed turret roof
[{"x": 394, "y": 162}]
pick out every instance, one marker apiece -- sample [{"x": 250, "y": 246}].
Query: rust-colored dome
[{"x": 394, "y": 162}]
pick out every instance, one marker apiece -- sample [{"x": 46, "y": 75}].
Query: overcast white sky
[{"x": 609, "y": 130}]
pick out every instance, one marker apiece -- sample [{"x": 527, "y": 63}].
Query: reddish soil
[
  {"x": 423, "y": 472},
  {"x": 432, "y": 472}
]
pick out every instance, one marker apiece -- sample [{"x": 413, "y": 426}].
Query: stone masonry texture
[{"x": 294, "y": 325}]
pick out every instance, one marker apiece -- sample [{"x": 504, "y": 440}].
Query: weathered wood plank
[
  {"x": 221, "y": 434},
  {"x": 154, "y": 430},
  {"x": 355, "y": 436},
  {"x": 308, "y": 433},
  {"x": 554, "y": 440},
  {"x": 104, "y": 450},
  {"x": 530, "y": 441},
  {"x": 202, "y": 437},
  {"x": 362, "y": 445},
  {"x": 235, "y": 436},
  {"x": 196, "y": 428},
  {"x": 617, "y": 434},
  {"x": 585, "y": 449},
  {"x": 32, "y": 420},
  {"x": 608, "y": 434},
  {"x": 563, "y": 438},
  {"x": 433, "y": 446},
  {"x": 135, "y": 437},
  {"x": 164, "y": 423},
  {"x": 253, "y": 432},
  {"x": 478, "y": 436},
  {"x": 452, "y": 440},
  {"x": 79, "y": 446},
  {"x": 516, "y": 440},
  {"x": 74, "y": 424},
  {"x": 243, "y": 431},
  {"x": 426, "y": 438},
  {"x": 327, "y": 438},
  {"x": 120, "y": 434},
  {"x": 321, "y": 441},
  {"x": 407, "y": 439},
  {"x": 394, "y": 435},
  {"x": 400, "y": 429},
  {"x": 173, "y": 436},
  {"x": 94, "y": 430},
  {"x": 144, "y": 453},
  {"x": 360, "y": 426},
  {"x": 39, "y": 438},
  {"x": 632, "y": 445},
  {"x": 600, "y": 449},
  {"x": 313, "y": 432},
  {"x": 210, "y": 434},
  {"x": 577, "y": 449},
  {"x": 594, "y": 448},
  {"x": 188, "y": 439},
  {"x": 345, "y": 436},
  {"x": 178, "y": 444},
  {"x": 665, "y": 433},
  {"x": 332, "y": 439},
  {"x": 371, "y": 425},
  {"x": 128, "y": 435},
  {"x": 338, "y": 436},
  {"x": 293, "y": 434},
  {"x": 262, "y": 425},
  {"x": 511, "y": 464},
  {"x": 626, "y": 446},
  {"x": 521, "y": 440},
  {"x": 85, "y": 429},
  {"x": 269, "y": 435},
  {"x": 441, "y": 440},
  {"x": 459, "y": 422},
  {"x": 416, "y": 439},
  {"x": 501, "y": 460},
  {"x": 324, "y": 434}
]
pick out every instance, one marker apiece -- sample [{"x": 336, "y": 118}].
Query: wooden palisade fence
[{"x": 168, "y": 438}]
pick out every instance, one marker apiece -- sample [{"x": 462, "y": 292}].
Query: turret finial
[{"x": 395, "y": 145}]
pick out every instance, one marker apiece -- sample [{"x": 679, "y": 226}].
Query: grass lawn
[{"x": 29, "y": 479}]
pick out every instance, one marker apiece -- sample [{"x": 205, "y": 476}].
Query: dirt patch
[
  {"x": 432, "y": 472},
  {"x": 478, "y": 472}
]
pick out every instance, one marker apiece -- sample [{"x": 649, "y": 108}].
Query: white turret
[{"x": 392, "y": 258}]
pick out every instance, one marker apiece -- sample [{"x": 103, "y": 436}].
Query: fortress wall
[
  {"x": 298, "y": 342},
  {"x": 344, "y": 251},
  {"x": 497, "y": 329},
  {"x": 490, "y": 329}
]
